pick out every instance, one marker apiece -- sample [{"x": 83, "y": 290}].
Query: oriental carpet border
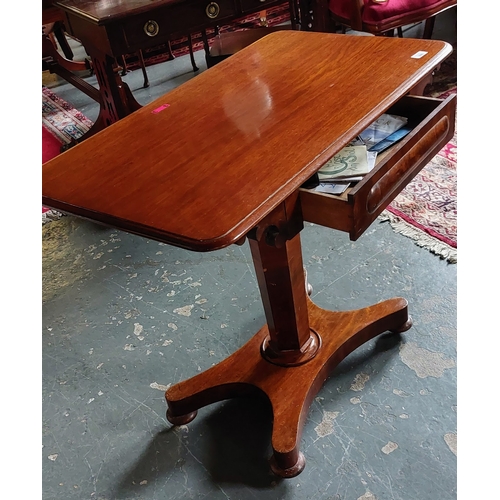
[
  {"x": 426, "y": 210},
  {"x": 65, "y": 124}
]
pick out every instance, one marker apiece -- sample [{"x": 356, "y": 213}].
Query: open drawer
[{"x": 433, "y": 125}]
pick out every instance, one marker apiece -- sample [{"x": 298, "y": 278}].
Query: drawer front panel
[
  {"x": 404, "y": 166},
  {"x": 433, "y": 124},
  {"x": 156, "y": 27}
]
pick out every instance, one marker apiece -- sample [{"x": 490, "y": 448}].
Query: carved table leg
[
  {"x": 292, "y": 355},
  {"x": 142, "y": 63},
  {"x": 117, "y": 99},
  {"x": 114, "y": 95},
  {"x": 48, "y": 50},
  {"x": 191, "y": 54}
]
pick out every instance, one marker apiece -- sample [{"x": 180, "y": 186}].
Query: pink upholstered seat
[{"x": 380, "y": 16}]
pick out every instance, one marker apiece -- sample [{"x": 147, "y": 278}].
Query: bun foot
[
  {"x": 181, "y": 419},
  {"x": 404, "y": 326},
  {"x": 293, "y": 471}
]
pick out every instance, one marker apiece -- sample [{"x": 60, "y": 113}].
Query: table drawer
[
  {"x": 433, "y": 123},
  {"x": 157, "y": 26}
]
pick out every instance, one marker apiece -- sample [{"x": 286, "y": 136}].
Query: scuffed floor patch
[
  {"x": 62, "y": 263},
  {"x": 359, "y": 382},
  {"x": 325, "y": 427},
  {"x": 390, "y": 447},
  {"x": 367, "y": 496},
  {"x": 160, "y": 387},
  {"x": 423, "y": 362},
  {"x": 451, "y": 440},
  {"x": 184, "y": 311}
]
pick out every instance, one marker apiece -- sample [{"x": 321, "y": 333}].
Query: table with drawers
[
  {"x": 109, "y": 29},
  {"x": 202, "y": 174}
]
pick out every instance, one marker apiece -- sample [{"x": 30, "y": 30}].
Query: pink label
[{"x": 160, "y": 108}]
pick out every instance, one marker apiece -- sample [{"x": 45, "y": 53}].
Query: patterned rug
[
  {"x": 61, "y": 124},
  {"x": 426, "y": 210}
]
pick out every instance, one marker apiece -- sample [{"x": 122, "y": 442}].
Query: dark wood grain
[{"x": 236, "y": 140}]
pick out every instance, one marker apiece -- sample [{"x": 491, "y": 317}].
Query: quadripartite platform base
[{"x": 290, "y": 389}]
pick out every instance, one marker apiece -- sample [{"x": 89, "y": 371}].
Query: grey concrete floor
[{"x": 124, "y": 317}]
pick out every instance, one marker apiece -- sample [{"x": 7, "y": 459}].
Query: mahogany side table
[{"x": 222, "y": 159}]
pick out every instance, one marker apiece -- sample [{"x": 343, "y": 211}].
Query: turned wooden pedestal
[{"x": 292, "y": 355}]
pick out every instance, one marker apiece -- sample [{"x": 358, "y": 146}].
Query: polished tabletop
[{"x": 202, "y": 165}]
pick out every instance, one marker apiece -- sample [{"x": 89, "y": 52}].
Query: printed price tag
[{"x": 419, "y": 54}]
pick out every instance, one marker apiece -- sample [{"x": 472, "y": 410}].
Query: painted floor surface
[{"x": 124, "y": 317}]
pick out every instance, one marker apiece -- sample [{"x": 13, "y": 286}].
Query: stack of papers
[
  {"x": 349, "y": 162},
  {"x": 382, "y": 128},
  {"x": 354, "y": 161},
  {"x": 391, "y": 139}
]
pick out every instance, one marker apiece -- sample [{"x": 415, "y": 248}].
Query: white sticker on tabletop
[{"x": 419, "y": 54}]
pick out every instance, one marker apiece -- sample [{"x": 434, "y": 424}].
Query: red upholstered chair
[{"x": 382, "y": 17}]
